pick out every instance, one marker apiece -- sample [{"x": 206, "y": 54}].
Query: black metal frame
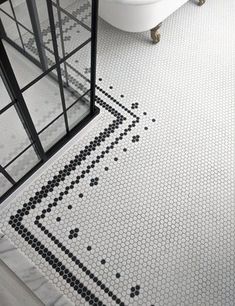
[
  {"x": 33, "y": 14},
  {"x": 16, "y": 93}
]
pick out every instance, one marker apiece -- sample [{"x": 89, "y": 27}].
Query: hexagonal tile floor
[{"x": 140, "y": 211}]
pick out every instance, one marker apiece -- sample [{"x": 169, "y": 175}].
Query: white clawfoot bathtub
[{"x": 138, "y": 15}]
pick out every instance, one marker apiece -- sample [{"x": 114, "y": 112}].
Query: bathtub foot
[
  {"x": 201, "y": 2},
  {"x": 155, "y": 35}
]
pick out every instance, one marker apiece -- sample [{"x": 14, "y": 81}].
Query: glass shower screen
[{"x": 47, "y": 82}]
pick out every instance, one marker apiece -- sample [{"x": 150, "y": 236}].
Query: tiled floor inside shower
[
  {"x": 43, "y": 98},
  {"x": 140, "y": 211}
]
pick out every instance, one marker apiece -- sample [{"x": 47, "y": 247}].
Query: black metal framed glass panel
[{"x": 47, "y": 83}]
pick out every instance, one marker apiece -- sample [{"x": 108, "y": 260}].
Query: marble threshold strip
[{"x": 30, "y": 275}]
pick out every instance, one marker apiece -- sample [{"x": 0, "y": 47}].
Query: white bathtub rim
[{"x": 137, "y": 18}]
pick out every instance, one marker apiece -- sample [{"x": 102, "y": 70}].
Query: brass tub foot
[
  {"x": 155, "y": 35},
  {"x": 201, "y": 2}
]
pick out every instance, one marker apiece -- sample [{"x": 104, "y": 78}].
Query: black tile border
[{"x": 16, "y": 220}]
